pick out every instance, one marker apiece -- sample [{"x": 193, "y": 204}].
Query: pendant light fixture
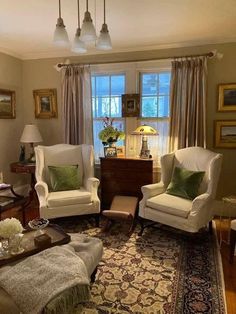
[
  {"x": 104, "y": 40},
  {"x": 60, "y": 35},
  {"x": 88, "y": 32},
  {"x": 78, "y": 45}
]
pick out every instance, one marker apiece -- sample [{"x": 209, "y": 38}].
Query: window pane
[
  {"x": 164, "y": 83},
  {"x": 102, "y": 86},
  {"x": 115, "y": 106},
  {"x": 102, "y": 107},
  {"x": 149, "y": 107},
  {"x": 163, "y": 106},
  {"x": 149, "y": 84},
  {"x": 117, "y": 85},
  {"x": 93, "y": 86}
]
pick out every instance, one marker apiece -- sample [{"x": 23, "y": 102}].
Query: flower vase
[{"x": 5, "y": 246}]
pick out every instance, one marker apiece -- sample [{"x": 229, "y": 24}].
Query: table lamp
[
  {"x": 31, "y": 135},
  {"x": 145, "y": 130}
]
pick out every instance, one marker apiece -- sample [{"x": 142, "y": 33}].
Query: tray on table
[{"x": 58, "y": 237}]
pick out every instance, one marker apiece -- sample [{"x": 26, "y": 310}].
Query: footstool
[
  {"x": 89, "y": 249},
  {"x": 122, "y": 208},
  {"x": 232, "y": 240}
]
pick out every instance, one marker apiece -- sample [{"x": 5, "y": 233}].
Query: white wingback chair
[
  {"x": 180, "y": 213},
  {"x": 66, "y": 203}
]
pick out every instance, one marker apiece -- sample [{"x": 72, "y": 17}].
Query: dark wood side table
[
  {"x": 18, "y": 167},
  {"x": 8, "y": 202},
  {"x": 124, "y": 176}
]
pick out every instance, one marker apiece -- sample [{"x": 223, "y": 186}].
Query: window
[
  {"x": 155, "y": 111},
  {"x": 106, "y": 98}
]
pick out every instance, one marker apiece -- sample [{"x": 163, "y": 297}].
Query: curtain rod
[{"x": 210, "y": 54}]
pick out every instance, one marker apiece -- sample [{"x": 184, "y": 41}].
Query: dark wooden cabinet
[{"x": 124, "y": 176}]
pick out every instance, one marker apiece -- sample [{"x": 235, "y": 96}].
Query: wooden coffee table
[{"x": 58, "y": 237}]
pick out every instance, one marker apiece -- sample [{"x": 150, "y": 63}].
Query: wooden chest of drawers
[{"x": 124, "y": 176}]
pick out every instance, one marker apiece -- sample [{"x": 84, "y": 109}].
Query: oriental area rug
[{"x": 162, "y": 271}]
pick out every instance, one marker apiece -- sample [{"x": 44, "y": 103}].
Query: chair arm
[
  {"x": 200, "y": 202},
  {"x": 92, "y": 184},
  {"x": 150, "y": 190},
  {"x": 42, "y": 191}
]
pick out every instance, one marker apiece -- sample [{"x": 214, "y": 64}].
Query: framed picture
[
  {"x": 110, "y": 152},
  {"x": 227, "y": 97},
  {"x": 225, "y": 134},
  {"x": 45, "y": 101},
  {"x": 120, "y": 151},
  {"x": 130, "y": 105},
  {"x": 7, "y": 104}
]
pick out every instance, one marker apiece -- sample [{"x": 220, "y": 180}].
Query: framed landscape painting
[
  {"x": 225, "y": 134},
  {"x": 7, "y": 104},
  {"x": 227, "y": 97},
  {"x": 45, "y": 101}
]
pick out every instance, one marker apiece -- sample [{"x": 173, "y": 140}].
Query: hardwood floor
[{"x": 229, "y": 269}]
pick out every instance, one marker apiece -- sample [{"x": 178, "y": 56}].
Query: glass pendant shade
[
  {"x": 78, "y": 45},
  {"x": 88, "y": 32},
  {"x": 60, "y": 37},
  {"x": 104, "y": 40}
]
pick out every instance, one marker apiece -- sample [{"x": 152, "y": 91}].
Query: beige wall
[
  {"x": 41, "y": 74},
  {"x": 11, "y": 129}
]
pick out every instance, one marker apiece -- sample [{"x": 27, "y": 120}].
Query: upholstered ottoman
[
  {"x": 122, "y": 208},
  {"x": 232, "y": 240},
  {"x": 90, "y": 250}
]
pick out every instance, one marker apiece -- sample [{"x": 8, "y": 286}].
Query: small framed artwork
[
  {"x": 225, "y": 133},
  {"x": 110, "y": 152},
  {"x": 130, "y": 105},
  {"x": 45, "y": 101},
  {"x": 227, "y": 97},
  {"x": 7, "y": 104},
  {"x": 120, "y": 151}
]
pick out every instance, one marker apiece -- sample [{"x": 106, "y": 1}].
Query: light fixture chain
[
  {"x": 59, "y": 8},
  {"x": 86, "y": 5},
  {"x": 104, "y": 11},
  {"x": 78, "y": 15}
]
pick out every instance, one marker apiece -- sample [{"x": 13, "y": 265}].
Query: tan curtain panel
[
  {"x": 188, "y": 103},
  {"x": 77, "y": 105}
]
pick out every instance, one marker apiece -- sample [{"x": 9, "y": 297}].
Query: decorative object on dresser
[
  {"x": 31, "y": 135},
  {"x": 7, "y": 104},
  {"x": 45, "y": 101},
  {"x": 130, "y": 105},
  {"x": 124, "y": 176},
  {"x": 225, "y": 133},
  {"x": 227, "y": 97},
  {"x": 144, "y": 131},
  {"x": 110, "y": 134},
  {"x": 66, "y": 185},
  {"x": 183, "y": 198}
]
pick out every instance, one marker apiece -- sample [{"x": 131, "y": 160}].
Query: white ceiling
[{"x": 27, "y": 26}]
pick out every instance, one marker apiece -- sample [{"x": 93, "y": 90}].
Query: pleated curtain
[
  {"x": 188, "y": 103},
  {"x": 77, "y": 105}
]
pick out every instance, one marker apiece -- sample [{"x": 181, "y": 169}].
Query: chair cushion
[
  {"x": 65, "y": 198},
  {"x": 233, "y": 224},
  {"x": 185, "y": 183},
  {"x": 170, "y": 204},
  {"x": 64, "y": 178}
]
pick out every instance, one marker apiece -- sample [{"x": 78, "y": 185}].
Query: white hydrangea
[{"x": 9, "y": 227}]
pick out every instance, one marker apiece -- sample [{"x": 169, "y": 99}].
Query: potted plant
[{"x": 109, "y": 135}]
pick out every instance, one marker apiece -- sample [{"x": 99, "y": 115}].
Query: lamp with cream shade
[
  {"x": 144, "y": 131},
  {"x": 31, "y": 135}
]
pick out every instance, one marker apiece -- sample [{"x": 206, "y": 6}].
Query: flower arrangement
[
  {"x": 110, "y": 134},
  {"x": 10, "y": 227}
]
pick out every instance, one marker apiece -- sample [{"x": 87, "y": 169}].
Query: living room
[{"x": 29, "y": 62}]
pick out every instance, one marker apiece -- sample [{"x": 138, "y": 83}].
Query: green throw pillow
[
  {"x": 64, "y": 178},
  {"x": 185, "y": 183}
]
